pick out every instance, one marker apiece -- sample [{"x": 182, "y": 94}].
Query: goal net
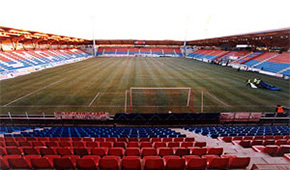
[{"x": 160, "y": 99}]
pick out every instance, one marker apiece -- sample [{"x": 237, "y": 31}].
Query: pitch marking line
[
  {"x": 217, "y": 99},
  {"x": 94, "y": 99},
  {"x": 29, "y": 94}
]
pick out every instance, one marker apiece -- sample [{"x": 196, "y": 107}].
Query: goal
[{"x": 160, "y": 99}]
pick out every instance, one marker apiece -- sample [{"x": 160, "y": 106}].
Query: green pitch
[{"x": 99, "y": 85}]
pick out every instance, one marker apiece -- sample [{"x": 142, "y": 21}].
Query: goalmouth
[{"x": 159, "y": 100}]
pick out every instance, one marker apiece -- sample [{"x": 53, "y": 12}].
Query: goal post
[{"x": 160, "y": 99}]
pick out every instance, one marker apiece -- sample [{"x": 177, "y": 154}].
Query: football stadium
[{"x": 162, "y": 85}]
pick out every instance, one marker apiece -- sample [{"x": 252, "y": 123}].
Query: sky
[{"x": 147, "y": 19}]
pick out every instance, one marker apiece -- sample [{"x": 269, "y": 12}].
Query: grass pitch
[{"x": 99, "y": 85}]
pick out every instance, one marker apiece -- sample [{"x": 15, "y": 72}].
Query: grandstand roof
[{"x": 273, "y": 38}]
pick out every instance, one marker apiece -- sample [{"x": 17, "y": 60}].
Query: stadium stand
[
  {"x": 22, "y": 62},
  {"x": 143, "y": 51}
]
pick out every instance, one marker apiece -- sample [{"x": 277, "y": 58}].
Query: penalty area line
[
  {"x": 217, "y": 99},
  {"x": 94, "y": 99},
  {"x": 31, "y": 93}
]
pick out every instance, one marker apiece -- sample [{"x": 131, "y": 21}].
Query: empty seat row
[
  {"x": 107, "y": 139},
  {"x": 250, "y": 143},
  {"x": 102, "y": 144},
  {"x": 273, "y": 150},
  {"x": 232, "y": 138},
  {"x": 125, "y": 163},
  {"x": 118, "y": 151}
]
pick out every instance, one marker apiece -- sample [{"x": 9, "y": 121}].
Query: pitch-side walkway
[{"x": 229, "y": 148}]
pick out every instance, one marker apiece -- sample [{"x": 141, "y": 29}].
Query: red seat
[
  {"x": 180, "y": 151},
  {"x": 153, "y": 163},
  {"x": 64, "y": 151},
  {"x": 73, "y": 158},
  {"x": 31, "y": 138},
  {"x": 50, "y": 158},
  {"x": 159, "y": 144},
  {"x": 13, "y": 151},
  {"x": 24, "y": 143},
  {"x": 268, "y": 137},
  {"x": 163, "y": 151},
  {"x": 116, "y": 151},
  {"x": 144, "y": 139},
  {"x": 77, "y": 139},
  {"x": 237, "y": 162},
  {"x": 199, "y": 144},
  {"x": 100, "y": 139},
  {"x": 166, "y": 139},
  {"x": 258, "y": 137},
  {"x": 147, "y": 151},
  {"x": 92, "y": 144},
  {"x": 256, "y": 142},
  {"x": 173, "y": 144},
  {"x": 86, "y": 164},
  {"x": 20, "y": 139},
  {"x": 54, "y": 139},
  {"x": 278, "y": 137},
  {"x": 269, "y": 142},
  {"x": 120, "y": 144},
  {"x": 47, "y": 151},
  {"x": 214, "y": 151},
  {"x": 2, "y": 144},
  {"x": 145, "y": 144},
  {"x": 132, "y": 151},
  {"x": 237, "y": 138},
  {"x": 51, "y": 144},
  {"x": 3, "y": 164},
  {"x": 106, "y": 144},
  {"x": 247, "y": 138},
  {"x": 226, "y": 138},
  {"x": 81, "y": 151},
  {"x": 78, "y": 144},
  {"x": 30, "y": 151},
  {"x": 63, "y": 163},
  {"x": 37, "y": 143},
  {"x": 88, "y": 139},
  {"x": 12, "y": 143},
  {"x": 43, "y": 139},
  {"x": 132, "y": 144},
  {"x": 9, "y": 139},
  {"x": 2, "y": 152},
  {"x": 94, "y": 157},
  {"x": 282, "y": 149},
  {"x": 186, "y": 144},
  {"x": 178, "y": 139},
  {"x": 111, "y": 139},
  {"x": 215, "y": 162},
  {"x": 152, "y": 140},
  {"x": 122, "y": 140},
  {"x": 65, "y": 144},
  {"x": 131, "y": 163},
  {"x": 194, "y": 162},
  {"x": 243, "y": 143},
  {"x": 110, "y": 163},
  {"x": 40, "y": 163},
  {"x": 281, "y": 142},
  {"x": 197, "y": 151},
  {"x": 18, "y": 163},
  {"x": 99, "y": 151},
  {"x": 174, "y": 163},
  {"x": 189, "y": 139},
  {"x": 133, "y": 139},
  {"x": 66, "y": 139}
]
